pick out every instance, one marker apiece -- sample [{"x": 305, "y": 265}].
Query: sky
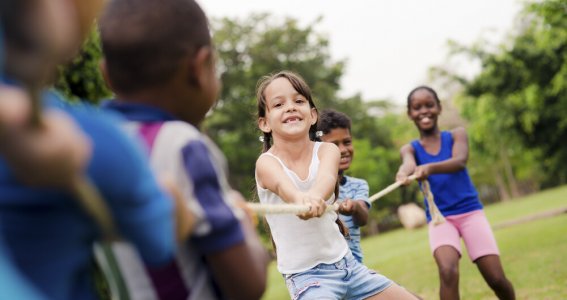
[{"x": 389, "y": 45}]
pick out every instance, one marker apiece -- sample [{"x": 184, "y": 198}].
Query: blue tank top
[{"x": 454, "y": 193}]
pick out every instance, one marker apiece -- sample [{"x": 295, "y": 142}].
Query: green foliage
[
  {"x": 81, "y": 78},
  {"x": 522, "y": 93}
]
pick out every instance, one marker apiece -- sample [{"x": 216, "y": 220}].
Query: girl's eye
[
  {"x": 277, "y": 105},
  {"x": 299, "y": 100}
]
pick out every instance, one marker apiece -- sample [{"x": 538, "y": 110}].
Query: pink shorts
[{"x": 472, "y": 226}]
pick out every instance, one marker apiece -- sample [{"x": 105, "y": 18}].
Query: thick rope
[
  {"x": 265, "y": 209},
  {"x": 436, "y": 216},
  {"x": 388, "y": 189}
]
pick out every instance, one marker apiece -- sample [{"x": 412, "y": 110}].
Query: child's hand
[
  {"x": 14, "y": 107},
  {"x": 403, "y": 178},
  {"x": 317, "y": 206},
  {"x": 421, "y": 172},
  {"x": 347, "y": 207},
  {"x": 241, "y": 202},
  {"x": 184, "y": 218},
  {"x": 52, "y": 155}
]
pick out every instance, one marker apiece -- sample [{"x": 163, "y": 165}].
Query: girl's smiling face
[
  {"x": 424, "y": 110},
  {"x": 288, "y": 113}
]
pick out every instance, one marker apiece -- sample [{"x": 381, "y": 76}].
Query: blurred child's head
[
  {"x": 40, "y": 34},
  {"x": 335, "y": 127},
  {"x": 285, "y": 104},
  {"x": 424, "y": 108},
  {"x": 160, "y": 52}
]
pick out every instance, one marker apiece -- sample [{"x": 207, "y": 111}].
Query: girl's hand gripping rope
[
  {"x": 421, "y": 173},
  {"x": 317, "y": 206}
]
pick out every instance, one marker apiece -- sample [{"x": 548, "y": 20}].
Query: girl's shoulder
[
  {"x": 326, "y": 149},
  {"x": 458, "y": 133},
  {"x": 266, "y": 160},
  {"x": 408, "y": 147}
]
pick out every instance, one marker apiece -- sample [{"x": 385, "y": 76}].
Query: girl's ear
[
  {"x": 314, "y": 116},
  {"x": 263, "y": 125}
]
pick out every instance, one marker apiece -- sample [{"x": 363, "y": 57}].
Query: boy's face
[{"x": 342, "y": 138}]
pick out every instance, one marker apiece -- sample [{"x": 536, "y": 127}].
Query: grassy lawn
[{"x": 531, "y": 254}]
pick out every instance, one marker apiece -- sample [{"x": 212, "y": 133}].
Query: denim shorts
[{"x": 345, "y": 279}]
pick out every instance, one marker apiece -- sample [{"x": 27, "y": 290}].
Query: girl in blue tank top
[{"x": 441, "y": 157}]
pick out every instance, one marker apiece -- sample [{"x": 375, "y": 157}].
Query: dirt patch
[{"x": 530, "y": 218}]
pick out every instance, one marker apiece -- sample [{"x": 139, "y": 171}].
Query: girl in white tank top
[
  {"x": 303, "y": 244},
  {"x": 311, "y": 252}
]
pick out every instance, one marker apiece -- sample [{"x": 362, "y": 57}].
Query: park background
[{"x": 514, "y": 107}]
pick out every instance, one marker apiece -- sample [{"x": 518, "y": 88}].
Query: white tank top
[{"x": 303, "y": 244}]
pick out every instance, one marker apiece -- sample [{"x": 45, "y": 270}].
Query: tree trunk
[
  {"x": 502, "y": 188},
  {"x": 512, "y": 182}
]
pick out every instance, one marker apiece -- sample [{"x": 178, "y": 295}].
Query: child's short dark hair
[
  {"x": 144, "y": 40},
  {"x": 331, "y": 119},
  {"x": 423, "y": 87}
]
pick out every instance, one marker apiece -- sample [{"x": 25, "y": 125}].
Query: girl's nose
[{"x": 290, "y": 106}]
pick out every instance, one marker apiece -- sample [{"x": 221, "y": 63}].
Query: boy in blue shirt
[{"x": 353, "y": 192}]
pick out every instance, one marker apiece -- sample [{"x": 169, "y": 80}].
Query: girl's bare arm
[
  {"x": 272, "y": 176},
  {"x": 408, "y": 164},
  {"x": 329, "y": 157}
]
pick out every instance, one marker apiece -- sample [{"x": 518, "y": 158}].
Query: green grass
[{"x": 532, "y": 254}]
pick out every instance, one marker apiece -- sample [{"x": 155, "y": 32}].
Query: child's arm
[
  {"x": 271, "y": 176},
  {"x": 358, "y": 206},
  {"x": 358, "y": 209},
  {"x": 457, "y": 162},
  {"x": 184, "y": 218},
  {"x": 227, "y": 266},
  {"x": 408, "y": 165},
  {"x": 329, "y": 158}
]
